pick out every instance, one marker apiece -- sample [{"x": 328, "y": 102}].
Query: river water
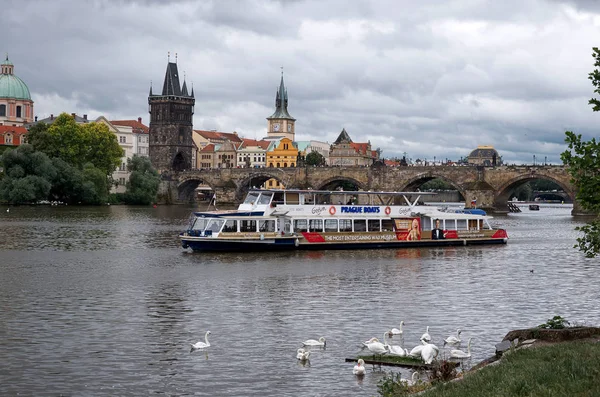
[{"x": 103, "y": 301}]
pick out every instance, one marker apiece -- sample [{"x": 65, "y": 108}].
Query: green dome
[{"x": 13, "y": 87}]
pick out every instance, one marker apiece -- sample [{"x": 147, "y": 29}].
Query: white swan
[
  {"x": 426, "y": 337},
  {"x": 453, "y": 340},
  {"x": 359, "y": 369},
  {"x": 414, "y": 379},
  {"x": 461, "y": 354},
  {"x": 314, "y": 342},
  {"x": 429, "y": 352},
  {"x": 398, "y": 331},
  {"x": 395, "y": 350},
  {"x": 302, "y": 354},
  {"x": 202, "y": 345},
  {"x": 365, "y": 343},
  {"x": 376, "y": 347},
  {"x": 416, "y": 351}
]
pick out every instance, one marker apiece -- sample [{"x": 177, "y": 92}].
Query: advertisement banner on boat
[
  {"x": 317, "y": 237},
  {"x": 408, "y": 229}
]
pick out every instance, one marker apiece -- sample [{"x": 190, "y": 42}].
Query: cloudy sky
[{"x": 422, "y": 77}]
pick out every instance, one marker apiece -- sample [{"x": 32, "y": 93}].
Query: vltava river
[{"x": 103, "y": 301}]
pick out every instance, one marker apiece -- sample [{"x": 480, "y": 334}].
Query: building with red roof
[{"x": 346, "y": 153}]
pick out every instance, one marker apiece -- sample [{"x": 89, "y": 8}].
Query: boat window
[
  {"x": 387, "y": 225},
  {"x": 461, "y": 224},
  {"x": 199, "y": 224},
  {"x": 230, "y": 226},
  {"x": 292, "y": 198},
  {"x": 473, "y": 224},
  {"x": 374, "y": 225},
  {"x": 278, "y": 198},
  {"x": 360, "y": 225},
  {"x": 331, "y": 225},
  {"x": 345, "y": 225},
  {"x": 251, "y": 198},
  {"x": 315, "y": 225},
  {"x": 214, "y": 225},
  {"x": 426, "y": 223},
  {"x": 265, "y": 198},
  {"x": 300, "y": 225},
  {"x": 248, "y": 225},
  {"x": 266, "y": 226},
  {"x": 287, "y": 226}
]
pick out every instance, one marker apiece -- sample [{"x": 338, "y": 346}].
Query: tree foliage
[
  {"x": 142, "y": 186},
  {"x": 315, "y": 159},
  {"x": 27, "y": 175},
  {"x": 583, "y": 160}
]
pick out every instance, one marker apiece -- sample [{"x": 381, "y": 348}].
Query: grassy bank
[{"x": 563, "y": 369}]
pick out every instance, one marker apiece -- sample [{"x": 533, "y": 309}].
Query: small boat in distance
[
  {"x": 534, "y": 207},
  {"x": 291, "y": 219}
]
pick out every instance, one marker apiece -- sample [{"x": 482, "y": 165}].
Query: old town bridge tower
[{"x": 171, "y": 112}]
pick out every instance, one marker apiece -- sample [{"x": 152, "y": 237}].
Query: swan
[
  {"x": 365, "y": 343},
  {"x": 426, "y": 337},
  {"x": 313, "y": 342},
  {"x": 202, "y": 345},
  {"x": 453, "y": 340},
  {"x": 376, "y": 347},
  {"x": 461, "y": 354},
  {"x": 429, "y": 352},
  {"x": 359, "y": 369},
  {"x": 302, "y": 354},
  {"x": 409, "y": 382},
  {"x": 395, "y": 350},
  {"x": 416, "y": 351},
  {"x": 398, "y": 331}
]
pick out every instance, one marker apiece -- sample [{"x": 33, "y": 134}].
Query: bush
[{"x": 556, "y": 322}]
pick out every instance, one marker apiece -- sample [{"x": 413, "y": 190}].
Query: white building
[
  {"x": 252, "y": 153},
  {"x": 306, "y": 147},
  {"x": 134, "y": 139}
]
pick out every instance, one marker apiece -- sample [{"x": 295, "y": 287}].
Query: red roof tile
[
  {"x": 135, "y": 124},
  {"x": 210, "y": 148},
  {"x": 18, "y": 130},
  {"x": 253, "y": 142},
  {"x": 360, "y": 147},
  {"x": 217, "y": 135}
]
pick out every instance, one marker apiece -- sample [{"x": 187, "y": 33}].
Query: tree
[
  {"x": 67, "y": 185},
  {"x": 583, "y": 161},
  {"x": 102, "y": 147},
  {"x": 95, "y": 185},
  {"x": 142, "y": 186},
  {"x": 27, "y": 175},
  {"x": 315, "y": 159}
]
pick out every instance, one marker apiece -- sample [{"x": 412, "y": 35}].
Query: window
[
  {"x": 122, "y": 139},
  {"x": 123, "y": 167},
  {"x": 374, "y": 225},
  {"x": 266, "y": 226},
  {"x": 345, "y": 225},
  {"x": 387, "y": 225},
  {"x": 230, "y": 226},
  {"x": 214, "y": 225},
  {"x": 315, "y": 225},
  {"x": 8, "y": 139},
  {"x": 265, "y": 198},
  {"x": 300, "y": 225},
  {"x": 199, "y": 224},
  {"x": 122, "y": 181},
  {"x": 331, "y": 225},
  {"x": 248, "y": 226},
  {"x": 18, "y": 111},
  {"x": 360, "y": 225},
  {"x": 2, "y": 110}
]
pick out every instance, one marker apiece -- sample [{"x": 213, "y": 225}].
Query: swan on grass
[
  {"x": 395, "y": 350},
  {"x": 453, "y": 340},
  {"x": 416, "y": 351},
  {"x": 429, "y": 352},
  {"x": 398, "y": 331},
  {"x": 313, "y": 342},
  {"x": 376, "y": 347},
  {"x": 201, "y": 345},
  {"x": 302, "y": 354},
  {"x": 359, "y": 369},
  {"x": 412, "y": 381},
  {"x": 455, "y": 353},
  {"x": 426, "y": 337}
]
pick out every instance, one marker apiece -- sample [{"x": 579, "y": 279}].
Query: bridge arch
[
  {"x": 257, "y": 179},
  {"x": 414, "y": 183},
  {"x": 186, "y": 188},
  {"x": 504, "y": 192},
  {"x": 337, "y": 181}
]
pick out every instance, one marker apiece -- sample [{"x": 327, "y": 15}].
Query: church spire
[
  {"x": 150, "y": 88},
  {"x": 171, "y": 85},
  {"x": 184, "y": 90},
  {"x": 281, "y": 102}
]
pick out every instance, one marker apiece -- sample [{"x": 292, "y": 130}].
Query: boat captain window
[
  {"x": 265, "y": 198},
  {"x": 251, "y": 198},
  {"x": 266, "y": 226},
  {"x": 248, "y": 226},
  {"x": 199, "y": 224},
  {"x": 214, "y": 225},
  {"x": 230, "y": 226}
]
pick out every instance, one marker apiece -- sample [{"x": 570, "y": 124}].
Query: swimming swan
[
  {"x": 453, "y": 340},
  {"x": 359, "y": 369},
  {"x": 202, "y": 345},
  {"x": 398, "y": 331},
  {"x": 395, "y": 350},
  {"x": 461, "y": 354},
  {"x": 426, "y": 337},
  {"x": 302, "y": 354},
  {"x": 313, "y": 342},
  {"x": 429, "y": 352}
]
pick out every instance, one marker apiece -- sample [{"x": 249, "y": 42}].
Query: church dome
[
  {"x": 10, "y": 85},
  {"x": 485, "y": 155}
]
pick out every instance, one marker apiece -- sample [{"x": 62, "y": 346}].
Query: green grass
[
  {"x": 564, "y": 369},
  {"x": 393, "y": 359}
]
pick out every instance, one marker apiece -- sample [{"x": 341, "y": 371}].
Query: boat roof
[{"x": 310, "y": 191}]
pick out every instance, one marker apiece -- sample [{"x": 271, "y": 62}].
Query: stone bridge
[{"x": 492, "y": 187}]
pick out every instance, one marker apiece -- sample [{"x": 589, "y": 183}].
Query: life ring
[
  {"x": 332, "y": 210},
  {"x": 388, "y": 210}
]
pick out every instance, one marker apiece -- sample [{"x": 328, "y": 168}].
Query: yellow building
[{"x": 280, "y": 154}]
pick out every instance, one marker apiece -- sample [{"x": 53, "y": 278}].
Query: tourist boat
[{"x": 317, "y": 219}]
